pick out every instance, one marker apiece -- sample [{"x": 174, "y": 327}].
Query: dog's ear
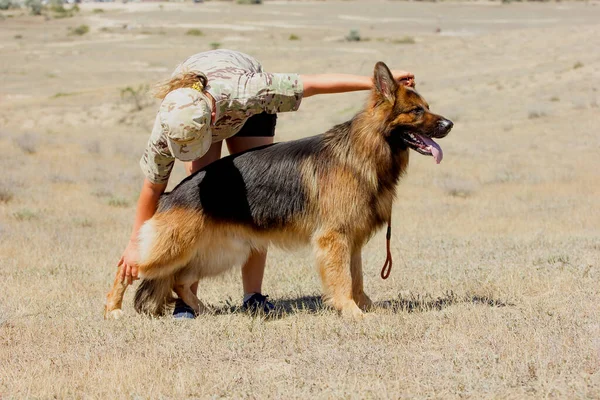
[{"x": 385, "y": 84}]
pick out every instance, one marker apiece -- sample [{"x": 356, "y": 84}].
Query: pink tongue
[{"x": 434, "y": 148}]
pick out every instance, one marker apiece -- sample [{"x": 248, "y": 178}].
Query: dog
[{"x": 332, "y": 191}]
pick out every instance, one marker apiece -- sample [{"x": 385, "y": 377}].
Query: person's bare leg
[{"x": 254, "y": 269}]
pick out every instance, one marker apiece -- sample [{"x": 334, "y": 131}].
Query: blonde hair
[{"x": 197, "y": 80}]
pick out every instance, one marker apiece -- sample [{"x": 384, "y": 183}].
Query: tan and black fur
[{"x": 332, "y": 191}]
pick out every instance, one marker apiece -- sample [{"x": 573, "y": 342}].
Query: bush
[
  {"x": 249, "y": 1},
  {"x": 8, "y": 4},
  {"x": 5, "y": 195},
  {"x": 215, "y": 45},
  {"x": 353, "y": 36},
  {"x": 58, "y": 7},
  {"x": 136, "y": 96},
  {"x": 294, "y": 37},
  {"x": 194, "y": 32},
  {"x": 404, "y": 40},
  {"x": 27, "y": 143},
  {"x": 118, "y": 202},
  {"x": 25, "y": 215},
  {"x": 35, "y": 6},
  {"x": 80, "y": 30}
]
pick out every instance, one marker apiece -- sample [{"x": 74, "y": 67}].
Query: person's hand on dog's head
[{"x": 404, "y": 78}]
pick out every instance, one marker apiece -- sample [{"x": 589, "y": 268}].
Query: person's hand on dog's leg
[
  {"x": 146, "y": 206},
  {"x": 129, "y": 262}
]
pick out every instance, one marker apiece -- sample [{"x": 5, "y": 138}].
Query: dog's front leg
[
  {"x": 114, "y": 298},
  {"x": 361, "y": 299},
  {"x": 333, "y": 258}
]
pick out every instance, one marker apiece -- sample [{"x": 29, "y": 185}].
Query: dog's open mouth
[{"x": 424, "y": 145}]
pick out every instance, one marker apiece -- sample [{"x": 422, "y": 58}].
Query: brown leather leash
[{"x": 387, "y": 267}]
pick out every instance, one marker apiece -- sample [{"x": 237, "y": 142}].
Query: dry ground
[{"x": 495, "y": 291}]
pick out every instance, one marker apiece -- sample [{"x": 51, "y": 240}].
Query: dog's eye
[{"x": 417, "y": 111}]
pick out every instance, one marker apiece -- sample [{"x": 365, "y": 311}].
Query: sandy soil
[{"x": 496, "y": 285}]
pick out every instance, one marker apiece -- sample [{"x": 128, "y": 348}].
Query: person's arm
[
  {"x": 146, "y": 207},
  {"x": 340, "y": 83}
]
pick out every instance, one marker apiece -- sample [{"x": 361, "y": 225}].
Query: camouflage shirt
[{"x": 240, "y": 89}]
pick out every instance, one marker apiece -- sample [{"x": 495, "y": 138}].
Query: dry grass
[{"x": 495, "y": 287}]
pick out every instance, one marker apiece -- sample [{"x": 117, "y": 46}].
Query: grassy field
[{"x": 495, "y": 290}]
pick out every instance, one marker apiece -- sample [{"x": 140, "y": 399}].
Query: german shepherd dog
[{"x": 332, "y": 191}]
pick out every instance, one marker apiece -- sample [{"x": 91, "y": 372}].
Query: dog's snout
[
  {"x": 446, "y": 124},
  {"x": 443, "y": 127}
]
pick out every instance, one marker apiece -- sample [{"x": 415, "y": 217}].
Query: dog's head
[{"x": 409, "y": 123}]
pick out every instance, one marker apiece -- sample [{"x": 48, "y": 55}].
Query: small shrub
[
  {"x": 98, "y": 10},
  {"x": 62, "y": 94},
  {"x": 80, "y": 30},
  {"x": 215, "y": 45},
  {"x": 404, "y": 40},
  {"x": 137, "y": 96},
  {"x": 562, "y": 259},
  {"x": 534, "y": 114},
  {"x": 249, "y": 1},
  {"x": 92, "y": 147},
  {"x": 554, "y": 99},
  {"x": 294, "y": 37},
  {"x": 27, "y": 142},
  {"x": 102, "y": 192},
  {"x": 118, "y": 202},
  {"x": 25, "y": 215},
  {"x": 18, "y": 36},
  {"x": 578, "y": 65},
  {"x": 35, "y": 6},
  {"x": 194, "y": 32},
  {"x": 353, "y": 36},
  {"x": 58, "y": 8},
  {"x": 5, "y": 195},
  {"x": 57, "y": 178},
  {"x": 82, "y": 223},
  {"x": 7, "y": 4},
  {"x": 456, "y": 187}
]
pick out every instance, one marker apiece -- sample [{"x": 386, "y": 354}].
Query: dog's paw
[
  {"x": 113, "y": 314},
  {"x": 364, "y": 302},
  {"x": 351, "y": 311}
]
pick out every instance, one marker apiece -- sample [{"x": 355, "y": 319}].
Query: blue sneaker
[
  {"x": 257, "y": 303},
  {"x": 183, "y": 311}
]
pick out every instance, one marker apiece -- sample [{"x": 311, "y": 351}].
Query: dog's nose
[{"x": 446, "y": 124}]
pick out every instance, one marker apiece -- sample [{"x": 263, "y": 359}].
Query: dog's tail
[{"x": 154, "y": 296}]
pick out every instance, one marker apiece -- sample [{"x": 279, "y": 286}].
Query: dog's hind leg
[
  {"x": 185, "y": 293},
  {"x": 333, "y": 259},
  {"x": 358, "y": 294},
  {"x": 114, "y": 298}
]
